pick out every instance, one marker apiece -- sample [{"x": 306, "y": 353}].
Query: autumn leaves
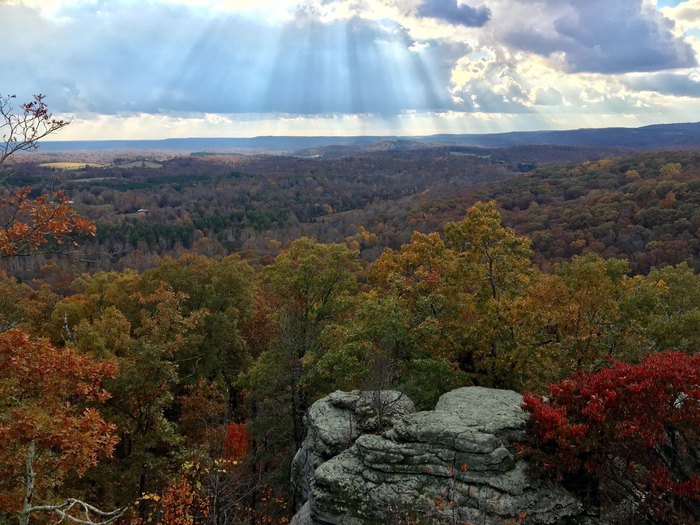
[{"x": 218, "y": 361}]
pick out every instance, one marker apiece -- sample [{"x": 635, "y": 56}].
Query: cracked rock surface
[{"x": 454, "y": 464}]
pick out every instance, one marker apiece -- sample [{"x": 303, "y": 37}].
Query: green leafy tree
[
  {"x": 497, "y": 269},
  {"x": 120, "y": 316},
  {"x": 307, "y": 287},
  {"x": 662, "y": 311},
  {"x": 221, "y": 294},
  {"x": 384, "y": 347}
]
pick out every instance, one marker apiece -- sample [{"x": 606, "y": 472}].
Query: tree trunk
[{"x": 29, "y": 485}]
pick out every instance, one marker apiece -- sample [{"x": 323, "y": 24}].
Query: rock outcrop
[
  {"x": 335, "y": 422},
  {"x": 455, "y": 464}
]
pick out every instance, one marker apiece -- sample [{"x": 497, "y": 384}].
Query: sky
[{"x": 153, "y": 69}]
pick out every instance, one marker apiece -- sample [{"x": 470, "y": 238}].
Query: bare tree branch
[
  {"x": 63, "y": 509},
  {"x": 22, "y": 130}
]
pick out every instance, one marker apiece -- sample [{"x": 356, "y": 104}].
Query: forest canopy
[{"x": 208, "y": 364}]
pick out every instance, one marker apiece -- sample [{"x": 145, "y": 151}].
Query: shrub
[{"x": 626, "y": 435}]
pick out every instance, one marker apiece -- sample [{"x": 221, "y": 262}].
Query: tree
[
  {"x": 144, "y": 343},
  {"x": 497, "y": 270},
  {"x": 49, "y": 426},
  {"x": 629, "y": 432},
  {"x": 26, "y": 223},
  {"x": 569, "y": 320},
  {"x": 499, "y": 259},
  {"x": 221, "y": 293},
  {"x": 22, "y": 131},
  {"x": 217, "y": 452},
  {"x": 407, "y": 332},
  {"x": 180, "y": 503},
  {"x": 385, "y": 345},
  {"x": 173, "y": 330},
  {"x": 48, "y": 423},
  {"x": 307, "y": 287},
  {"x": 663, "y": 310}
]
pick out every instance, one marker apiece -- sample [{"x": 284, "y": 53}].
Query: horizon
[
  {"x": 157, "y": 69},
  {"x": 56, "y": 138}
]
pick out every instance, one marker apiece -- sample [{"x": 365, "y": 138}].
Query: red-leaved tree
[
  {"x": 237, "y": 442},
  {"x": 630, "y": 432}
]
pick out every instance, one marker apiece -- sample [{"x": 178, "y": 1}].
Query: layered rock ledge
[{"x": 455, "y": 464}]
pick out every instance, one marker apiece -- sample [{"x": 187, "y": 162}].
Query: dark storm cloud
[
  {"x": 666, "y": 84},
  {"x": 455, "y": 13},
  {"x": 605, "y": 36}
]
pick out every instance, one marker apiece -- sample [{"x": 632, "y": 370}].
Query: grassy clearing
[{"x": 70, "y": 166}]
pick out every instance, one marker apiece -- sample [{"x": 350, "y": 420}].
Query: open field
[{"x": 70, "y": 166}]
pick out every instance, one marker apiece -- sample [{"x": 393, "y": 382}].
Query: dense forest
[
  {"x": 644, "y": 208},
  {"x": 187, "y": 382},
  {"x": 166, "y": 324}
]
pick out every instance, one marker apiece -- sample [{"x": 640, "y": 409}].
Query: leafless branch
[
  {"x": 63, "y": 510},
  {"x": 22, "y": 128},
  {"x": 71, "y": 504}
]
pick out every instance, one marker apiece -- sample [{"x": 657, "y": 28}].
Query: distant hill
[{"x": 662, "y": 136}]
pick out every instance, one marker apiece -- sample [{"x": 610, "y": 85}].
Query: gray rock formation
[
  {"x": 454, "y": 465},
  {"x": 335, "y": 422}
]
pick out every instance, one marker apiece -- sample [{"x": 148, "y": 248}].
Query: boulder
[{"x": 454, "y": 464}]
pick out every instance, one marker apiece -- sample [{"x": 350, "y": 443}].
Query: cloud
[
  {"x": 687, "y": 13},
  {"x": 486, "y": 83},
  {"x": 455, "y": 13},
  {"x": 601, "y": 36},
  {"x": 667, "y": 84},
  {"x": 370, "y": 63},
  {"x": 492, "y": 81},
  {"x": 548, "y": 97},
  {"x": 112, "y": 58}
]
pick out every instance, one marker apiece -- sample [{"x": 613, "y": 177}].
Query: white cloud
[{"x": 686, "y": 14}]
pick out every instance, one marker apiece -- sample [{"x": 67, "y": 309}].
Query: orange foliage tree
[
  {"x": 49, "y": 426},
  {"x": 26, "y": 223},
  {"x": 180, "y": 503},
  {"x": 218, "y": 473}
]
